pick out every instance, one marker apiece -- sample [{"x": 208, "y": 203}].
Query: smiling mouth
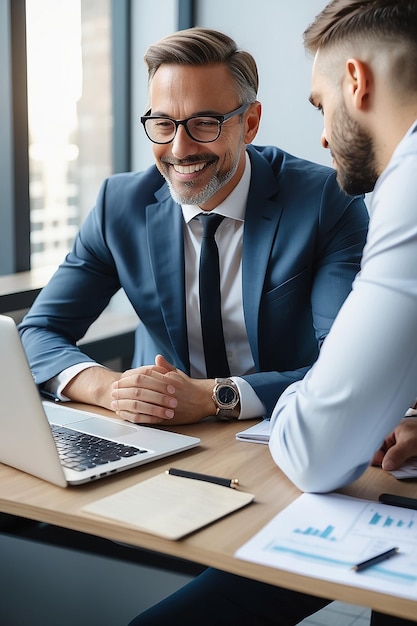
[{"x": 189, "y": 169}]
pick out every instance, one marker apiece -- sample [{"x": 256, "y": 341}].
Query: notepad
[
  {"x": 258, "y": 433},
  {"x": 170, "y": 506}
]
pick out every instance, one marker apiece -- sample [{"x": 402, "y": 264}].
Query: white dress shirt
[
  {"x": 326, "y": 428},
  {"x": 229, "y": 237}
]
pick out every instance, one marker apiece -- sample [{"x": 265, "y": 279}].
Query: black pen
[
  {"x": 224, "y": 482},
  {"x": 407, "y": 503},
  {"x": 375, "y": 559}
]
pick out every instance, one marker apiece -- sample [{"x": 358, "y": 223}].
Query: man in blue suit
[{"x": 290, "y": 246}]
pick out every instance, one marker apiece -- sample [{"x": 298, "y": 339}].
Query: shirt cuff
[
  {"x": 55, "y": 385},
  {"x": 250, "y": 405}
]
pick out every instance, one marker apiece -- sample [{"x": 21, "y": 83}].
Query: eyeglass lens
[{"x": 162, "y": 130}]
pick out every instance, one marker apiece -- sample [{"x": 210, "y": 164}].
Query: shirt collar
[
  {"x": 400, "y": 145},
  {"x": 233, "y": 206}
]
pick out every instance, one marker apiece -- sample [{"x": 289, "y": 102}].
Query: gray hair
[{"x": 203, "y": 46}]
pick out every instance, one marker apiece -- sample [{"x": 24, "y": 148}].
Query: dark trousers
[{"x": 216, "y": 598}]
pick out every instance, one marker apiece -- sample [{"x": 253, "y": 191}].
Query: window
[
  {"x": 69, "y": 116},
  {"x": 56, "y": 68}
]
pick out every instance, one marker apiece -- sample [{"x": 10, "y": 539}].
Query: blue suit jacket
[{"x": 302, "y": 245}]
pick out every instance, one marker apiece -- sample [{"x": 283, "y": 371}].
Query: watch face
[{"x": 226, "y": 395}]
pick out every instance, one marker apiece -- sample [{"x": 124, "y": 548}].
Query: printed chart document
[
  {"x": 170, "y": 506},
  {"x": 325, "y": 535},
  {"x": 258, "y": 433}
]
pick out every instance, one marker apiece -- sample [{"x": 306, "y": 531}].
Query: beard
[
  {"x": 198, "y": 197},
  {"x": 201, "y": 196},
  {"x": 353, "y": 151}
]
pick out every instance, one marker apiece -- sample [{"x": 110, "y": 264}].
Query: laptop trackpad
[
  {"x": 86, "y": 422},
  {"x": 103, "y": 428}
]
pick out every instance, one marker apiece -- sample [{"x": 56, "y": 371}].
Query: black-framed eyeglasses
[{"x": 201, "y": 128}]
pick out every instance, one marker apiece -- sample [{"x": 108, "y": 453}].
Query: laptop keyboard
[{"x": 80, "y": 451}]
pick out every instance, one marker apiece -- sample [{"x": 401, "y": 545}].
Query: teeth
[{"x": 189, "y": 169}]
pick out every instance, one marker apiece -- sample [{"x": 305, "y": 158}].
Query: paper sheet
[
  {"x": 258, "y": 433},
  {"x": 170, "y": 506},
  {"x": 408, "y": 470},
  {"x": 323, "y": 536}
]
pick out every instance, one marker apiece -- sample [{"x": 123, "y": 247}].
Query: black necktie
[{"x": 210, "y": 301}]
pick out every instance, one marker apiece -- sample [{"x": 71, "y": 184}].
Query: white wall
[
  {"x": 272, "y": 31},
  {"x": 150, "y": 21}
]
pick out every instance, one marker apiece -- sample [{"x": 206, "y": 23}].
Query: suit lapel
[
  {"x": 262, "y": 217},
  {"x": 166, "y": 247}
]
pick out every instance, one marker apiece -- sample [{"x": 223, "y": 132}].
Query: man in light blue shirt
[{"x": 325, "y": 430}]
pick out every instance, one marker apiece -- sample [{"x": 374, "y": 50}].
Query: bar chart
[
  {"x": 386, "y": 521},
  {"x": 326, "y": 533}
]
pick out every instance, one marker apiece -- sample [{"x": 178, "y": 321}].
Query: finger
[
  {"x": 152, "y": 379},
  {"x": 144, "y": 412},
  {"x": 161, "y": 361},
  {"x": 397, "y": 455},
  {"x": 139, "y": 418},
  {"x": 378, "y": 457},
  {"x": 135, "y": 398},
  {"x": 144, "y": 370}
]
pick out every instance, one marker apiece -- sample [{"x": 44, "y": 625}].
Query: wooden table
[{"x": 219, "y": 454}]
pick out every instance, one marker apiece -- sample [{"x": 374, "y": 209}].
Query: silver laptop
[{"x": 26, "y": 424}]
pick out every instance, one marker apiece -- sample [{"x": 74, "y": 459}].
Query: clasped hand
[{"x": 161, "y": 393}]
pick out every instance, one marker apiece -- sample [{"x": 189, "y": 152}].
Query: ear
[
  {"x": 357, "y": 83},
  {"x": 252, "y": 120}
]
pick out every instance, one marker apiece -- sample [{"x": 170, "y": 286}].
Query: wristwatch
[{"x": 226, "y": 398}]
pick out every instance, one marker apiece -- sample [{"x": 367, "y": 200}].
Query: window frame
[
  {"x": 14, "y": 170},
  {"x": 186, "y": 14}
]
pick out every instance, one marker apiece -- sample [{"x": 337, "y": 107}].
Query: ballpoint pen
[
  {"x": 375, "y": 559},
  {"x": 407, "y": 503},
  {"x": 224, "y": 482}
]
